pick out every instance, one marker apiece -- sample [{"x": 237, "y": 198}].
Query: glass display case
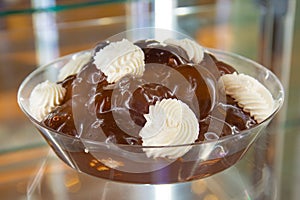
[{"x": 34, "y": 33}]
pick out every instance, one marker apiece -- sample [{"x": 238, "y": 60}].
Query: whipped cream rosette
[
  {"x": 44, "y": 98},
  {"x": 169, "y": 122},
  {"x": 119, "y": 59},
  {"x": 250, "y": 94},
  {"x": 74, "y": 65},
  {"x": 194, "y": 51}
]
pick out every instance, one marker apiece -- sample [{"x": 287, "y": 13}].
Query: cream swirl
[
  {"x": 44, "y": 97},
  {"x": 74, "y": 65},
  {"x": 119, "y": 59},
  {"x": 250, "y": 94},
  {"x": 169, "y": 122},
  {"x": 194, "y": 51}
]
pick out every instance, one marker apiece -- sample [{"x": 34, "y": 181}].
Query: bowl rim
[{"x": 241, "y": 134}]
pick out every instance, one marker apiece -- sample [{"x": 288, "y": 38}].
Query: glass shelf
[
  {"x": 27, "y": 7},
  {"x": 43, "y": 176}
]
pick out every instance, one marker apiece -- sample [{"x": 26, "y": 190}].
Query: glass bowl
[{"x": 129, "y": 163}]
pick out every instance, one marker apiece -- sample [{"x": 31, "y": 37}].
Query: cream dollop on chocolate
[
  {"x": 250, "y": 94},
  {"x": 44, "y": 98},
  {"x": 74, "y": 65},
  {"x": 118, "y": 59},
  {"x": 169, "y": 122},
  {"x": 194, "y": 51}
]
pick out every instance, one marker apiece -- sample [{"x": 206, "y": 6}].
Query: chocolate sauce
[
  {"x": 178, "y": 171},
  {"x": 111, "y": 105},
  {"x": 143, "y": 97}
]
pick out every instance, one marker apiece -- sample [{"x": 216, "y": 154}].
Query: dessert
[{"x": 150, "y": 103}]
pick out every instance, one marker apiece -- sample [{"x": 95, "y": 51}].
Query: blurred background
[{"x": 34, "y": 32}]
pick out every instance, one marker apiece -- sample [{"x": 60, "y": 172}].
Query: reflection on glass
[
  {"x": 165, "y": 14},
  {"x": 45, "y": 29}
]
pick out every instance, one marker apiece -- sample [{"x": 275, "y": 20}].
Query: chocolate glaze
[
  {"x": 222, "y": 67},
  {"x": 201, "y": 78},
  {"x": 155, "y": 52}
]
